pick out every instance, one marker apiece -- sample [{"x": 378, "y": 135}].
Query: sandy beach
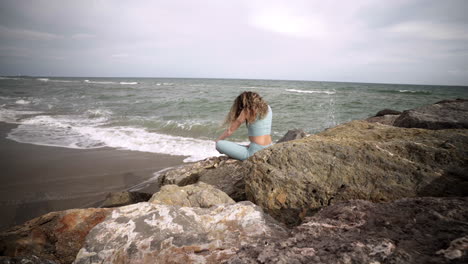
[{"x": 40, "y": 179}]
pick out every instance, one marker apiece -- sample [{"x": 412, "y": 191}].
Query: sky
[{"x": 378, "y": 41}]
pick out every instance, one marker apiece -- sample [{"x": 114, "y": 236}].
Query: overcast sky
[{"x": 389, "y": 41}]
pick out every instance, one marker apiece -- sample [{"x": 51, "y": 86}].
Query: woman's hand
[{"x": 233, "y": 126}]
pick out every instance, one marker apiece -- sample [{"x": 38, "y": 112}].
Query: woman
[{"x": 250, "y": 108}]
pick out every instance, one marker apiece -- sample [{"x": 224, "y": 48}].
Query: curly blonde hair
[{"x": 252, "y": 103}]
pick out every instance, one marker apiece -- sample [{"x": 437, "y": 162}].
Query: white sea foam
[
  {"x": 43, "y": 79},
  {"x": 187, "y": 125},
  {"x": 140, "y": 139},
  {"x": 251, "y": 87},
  {"x": 96, "y": 82},
  {"x": 58, "y": 131},
  {"x": 64, "y": 81},
  {"x": 310, "y": 91},
  {"x": 23, "y": 102},
  {"x": 83, "y": 132},
  {"x": 99, "y": 113},
  {"x": 413, "y": 91},
  {"x": 129, "y": 83},
  {"x": 13, "y": 116},
  {"x": 8, "y": 78}
]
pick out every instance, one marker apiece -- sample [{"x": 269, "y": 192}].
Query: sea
[{"x": 180, "y": 116}]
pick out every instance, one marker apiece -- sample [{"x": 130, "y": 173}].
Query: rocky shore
[{"x": 389, "y": 189}]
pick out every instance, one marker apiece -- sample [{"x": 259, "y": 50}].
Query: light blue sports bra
[{"x": 261, "y": 126}]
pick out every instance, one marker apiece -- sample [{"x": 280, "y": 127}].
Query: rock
[
  {"x": 196, "y": 195},
  {"x": 385, "y": 117},
  {"x": 56, "y": 236},
  {"x": 404, "y": 231},
  {"x": 384, "y": 120},
  {"x": 154, "y": 233},
  {"x": 458, "y": 249},
  {"x": 116, "y": 199},
  {"x": 388, "y": 112},
  {"x": 356, "y": 160},
  {"x": 442, "y": 115},
  {"x": 292, "y": 135},
  {"x": 223, "y": 173},
  {"x": 25, "y": 260}
]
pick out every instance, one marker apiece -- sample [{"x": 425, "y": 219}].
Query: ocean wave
[
  {"x": 98, "y": 113},
  {"x": 252, "y": 87},
  {"x": 64, "y": 81},
  {"x": 415, "y": 92},
  {"x": 165, "y": 84},
  {"x": 13, "y": 116},
  {"x": 22, "y": 102},
  {"x": 43, "y": 79},
  {"x": 8, "y": 78},
  {"x": 84, "y": 133},
  {"x": 109, "y": 82},
  {"x": 187, "y": 125},
  {"x": 310, "y": 91},
  {"x": 96, "y": 82}
]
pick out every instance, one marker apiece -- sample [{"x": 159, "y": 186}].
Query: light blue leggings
[{"x": 237, "y": 151}]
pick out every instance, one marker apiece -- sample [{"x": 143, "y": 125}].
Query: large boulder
[
  {"x": 115, "y": 199},
  {"x": 442, "y": 115},
  {"x": 196, "y": 195},
  {"x": 222, "y": 172},
  {"x": 153, "y": 233},
  {"x": 53, "y": 237},
  {"x": 417, "y": 230},
  {"x": 356, "y": 160}
]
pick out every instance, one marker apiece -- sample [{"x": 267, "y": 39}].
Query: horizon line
[{"x": 230, "y": 78}]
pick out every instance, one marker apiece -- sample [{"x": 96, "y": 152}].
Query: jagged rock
[
  {"x": 356, "y": 160},
  {"x": 385, "y": 117},
  {"x": 56, "y": 236},
  {"x": 115, "y": 199},
  {"x": 25, "y": 260},
  {"x": 442, "y": 115},
  {"x": 388, "y": 112},
  {"x": 385, "y": 120},
  {"x": 153, "y": 233},
  {"x": 418, "y": 230},
  {"x": 458, "y": 249},
  {"x": 292, "y": 135},
  {"x": 196, "y": 195},
  {"x": 223, "y": 173}
]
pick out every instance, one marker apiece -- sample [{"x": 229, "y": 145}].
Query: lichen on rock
[
  {"x": 195, "y": 195},
  {"x": 145, "y": 232}
]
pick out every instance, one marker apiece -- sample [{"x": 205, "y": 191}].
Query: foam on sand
[{"x": 89, "y": 131}]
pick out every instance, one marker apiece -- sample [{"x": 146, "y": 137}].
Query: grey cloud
[{"x": 374, "y": 41}]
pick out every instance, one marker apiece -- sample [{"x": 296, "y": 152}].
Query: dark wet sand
[{"x": 39, "y": 179}]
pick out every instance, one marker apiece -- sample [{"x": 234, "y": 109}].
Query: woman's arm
[{"x": 233, "y": 126}]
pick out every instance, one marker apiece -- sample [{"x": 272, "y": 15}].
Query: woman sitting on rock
[{"x": 250, "y": 108}]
